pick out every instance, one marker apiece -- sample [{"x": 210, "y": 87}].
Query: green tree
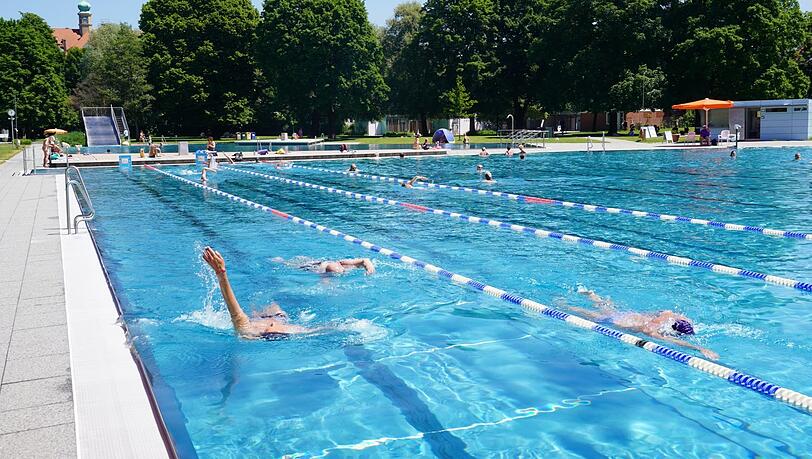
[
  {"x": 735, "y": 49},
  {"x": 461, "y": 38},
  {"x": 115, "y": 74},
  {"x": 639, "y": 89},
  {"x": 412, "y": 83},
  {"x": 199, "y": 58},
  {"x": 75, "y": 70},
  {"x": 31, "y": 71},
  {"x": 457, "y": 101},
  {"x": 587, "y": 46},
  {"x": 324, "y": 59}
]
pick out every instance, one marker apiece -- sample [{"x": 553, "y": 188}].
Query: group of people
[
  {"x": 273, "y": 322},
  {"x": 50, "y": 146}
]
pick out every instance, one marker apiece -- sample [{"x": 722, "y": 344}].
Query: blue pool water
[{"x": 415, "y": 367}]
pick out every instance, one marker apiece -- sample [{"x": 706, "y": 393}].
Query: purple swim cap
[{"x": 683, "y": 326}]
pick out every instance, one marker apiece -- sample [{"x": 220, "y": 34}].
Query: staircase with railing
[{"x": 104, "y": 125}]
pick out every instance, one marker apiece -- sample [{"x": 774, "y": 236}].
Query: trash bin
[
  {"x": 283, "y": 136},
  {"x": 253, "y": 135}
]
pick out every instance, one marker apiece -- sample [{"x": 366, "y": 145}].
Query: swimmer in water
[
  {"x": 797, "y": 156},
  {"x": 415, "y": 179},
  {"x": 663, "y": 325},
  {"x": 522, "y": 153},
  {"x": 479, "y": 169},
  {"x": 270, "y": 324},
  {"x": 331, "y": 266},
  {"x": 733, "y": 154},
  {"x": 484, "y": 152},
  {"x": 488, "y": 177},
  {"x": 353, "y": 168}
]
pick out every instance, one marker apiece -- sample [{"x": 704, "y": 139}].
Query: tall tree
[
  {"x": 31, "y": 71},
  {"x": 324, "y": 59},
  {"x": 115, "y": 74},
  {"x": 638, "y": 89},
  {"x": 75, "y": 70},
  {"x": 460, "y": 37},
  {"x": 199, "y": 56},
  {"x": 736, "y": 49},
  {"x": 411, "y": 82}
]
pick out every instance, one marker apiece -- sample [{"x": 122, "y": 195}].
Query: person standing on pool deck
[
  {"x": 662, "y": 325},
  {"x": 272, "y": 323}
]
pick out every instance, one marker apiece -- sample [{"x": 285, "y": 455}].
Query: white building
[{"x": 780, "y": 119}]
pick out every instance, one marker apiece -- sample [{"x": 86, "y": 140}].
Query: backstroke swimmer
[
  {"x": 270, "y": 324},
  {"x": 663, "y": 325}
]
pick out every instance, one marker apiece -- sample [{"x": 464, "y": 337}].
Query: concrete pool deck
[{"x": 69, "y": 386}]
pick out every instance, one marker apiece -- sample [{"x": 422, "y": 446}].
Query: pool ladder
[{"x": 78, "y": 188}]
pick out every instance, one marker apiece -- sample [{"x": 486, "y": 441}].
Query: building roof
[
  {"x": 69, "y": 38},
  {"x": 769, "y": 103}
]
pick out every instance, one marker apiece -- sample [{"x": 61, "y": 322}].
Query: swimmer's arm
[
  {"x": 238, "y": 317},
  {"x": 706, "y": 352},
  {"x": 366, "y": 263}
]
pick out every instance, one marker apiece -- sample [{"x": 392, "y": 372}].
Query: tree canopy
[
  {"x": 31, "y": 71},
  {"x": 324, "y": 60},
  {"x": 114, "y": 73},
  {"x": 200, "y": 62}
]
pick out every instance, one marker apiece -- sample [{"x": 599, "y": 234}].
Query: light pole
[
  {"x": 11, "y": 116},
  {"x": 511, "y": 128}
]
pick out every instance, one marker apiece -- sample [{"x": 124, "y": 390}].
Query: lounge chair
[
  {"x": 690, "y": 137},
  {"x": 668, "y": 138},
  {"x": 726, "y": 136}
]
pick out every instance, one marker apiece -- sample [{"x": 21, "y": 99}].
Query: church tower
[{"x": 85, "y": 16}]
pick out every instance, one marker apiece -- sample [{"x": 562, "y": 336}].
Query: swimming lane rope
[
  {"x": 790, "y": 397},
  {"x": 672, "y": 259},
  {"x": 586, "y": 207}
]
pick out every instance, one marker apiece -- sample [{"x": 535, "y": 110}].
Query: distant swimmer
[
  {"x": 522, "y": 153},
  {"x": 797, "y": 156},
  {"x": 488, "y": 177},
  {"x": 415, "y": 179},
  {"x": 733, "y": 154},
  {"x": 353, "y": 168},
  {"x": 509, "y": 152},
  {"x": 663, "y": 325},
  {"x": 484, "y": 152},
  {"x": 479, "y": 168},
  {"x": 330, "y": 266},
  {"x": 270, "y": 324}
]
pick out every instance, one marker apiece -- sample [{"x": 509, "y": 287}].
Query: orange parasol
[{"x": 704, "y": 104}]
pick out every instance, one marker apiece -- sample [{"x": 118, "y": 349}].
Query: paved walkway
[{"x": 36, "y": 398}]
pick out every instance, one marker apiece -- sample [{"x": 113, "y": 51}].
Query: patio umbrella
[
  {"x": 443, "y": 136},
  {"x": 55, "y": 131},
  {"x": 704, "y": 104}
]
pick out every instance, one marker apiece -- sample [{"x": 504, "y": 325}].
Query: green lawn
[{"x": 8, "y": 150}]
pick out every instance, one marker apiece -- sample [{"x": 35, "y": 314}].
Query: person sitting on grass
[
  {"x": 413, "y": 180},
  {"x": 270, "y": 324},
  {"x": 662, "y": 325}
]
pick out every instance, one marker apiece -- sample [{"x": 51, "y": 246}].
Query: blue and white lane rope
[
  {"x": 790, "y": 397},
  {"x": 586, "y": 207},
  {"x": 672, "y": 259}
]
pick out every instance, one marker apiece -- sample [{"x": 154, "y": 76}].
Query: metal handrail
[
  {"x": 78, "y": 187},
  {"x": 115, "y": 124}
]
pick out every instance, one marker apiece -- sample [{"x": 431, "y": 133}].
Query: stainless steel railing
[{"x": 78, "y": 185}]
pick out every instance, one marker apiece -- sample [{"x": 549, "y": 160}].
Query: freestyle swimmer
[
  {"x": 332, "y": 267},
  {"x": 415, "y": 179},
  {"x": 272, "y": 323},
  {"x": 663, "y": 325}
]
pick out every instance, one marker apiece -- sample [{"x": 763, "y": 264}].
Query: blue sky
[{"x": 62, "y": 13}]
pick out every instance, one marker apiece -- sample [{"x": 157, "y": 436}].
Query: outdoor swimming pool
[
  {"x": 417, "y": 367},
  {"x": 231, "y": 147}
]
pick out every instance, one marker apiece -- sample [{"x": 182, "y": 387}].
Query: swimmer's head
[
  {"x": 487, "y": 175},
  {"x": 732, "y": 153},
  {"x": 797, "y": 156},
  {"x": 483, "y": 149},
  {"x": 479, "y": 167},
  {"x": 683, "y": 326}
]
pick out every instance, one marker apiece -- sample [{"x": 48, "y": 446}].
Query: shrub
[
  {"x": 73, "y": 138},
  {"x": 25, "y": 142},
  {"x": 396, "y": 134},
  {"x": 489, "y": 132}
]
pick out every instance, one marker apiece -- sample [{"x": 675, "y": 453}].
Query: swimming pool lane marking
[
  {"x": 788, "y": 396},
  {"x": 595, "y": 208},
  {"x": 542, "y": 233}
]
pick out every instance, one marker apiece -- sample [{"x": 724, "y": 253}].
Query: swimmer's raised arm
[{"x": 218, "y": 264}]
